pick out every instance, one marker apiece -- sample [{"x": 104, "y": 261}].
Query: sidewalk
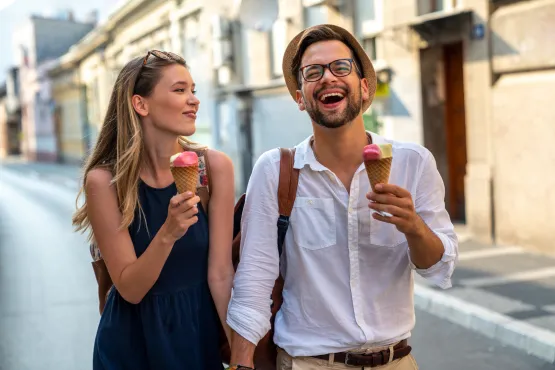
[{"x": 504, "y": 292}]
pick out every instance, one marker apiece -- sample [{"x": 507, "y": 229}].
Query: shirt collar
[{"x": 304, "y": 155}]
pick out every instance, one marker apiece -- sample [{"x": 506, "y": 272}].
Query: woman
[{"x": 170, "y": 263}]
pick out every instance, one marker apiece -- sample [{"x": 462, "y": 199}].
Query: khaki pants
[{"x": 286, "y": 362}]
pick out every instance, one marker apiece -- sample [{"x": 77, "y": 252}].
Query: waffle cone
[
  {"x": 186, "y": 178},
  {"x": 378, "y": 171}
]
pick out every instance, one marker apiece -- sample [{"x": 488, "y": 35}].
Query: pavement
[
  {"x": 503, "y": 292},
  {"x": 500, "y": 312}
]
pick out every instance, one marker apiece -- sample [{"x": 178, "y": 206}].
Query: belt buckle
[
  {"x": 373, "y": 357},
  {"x": 347, "y": 358},
  {"x": 355, "y": 362}
]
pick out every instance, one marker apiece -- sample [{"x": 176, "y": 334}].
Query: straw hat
[{"x": 293, "y": 47}]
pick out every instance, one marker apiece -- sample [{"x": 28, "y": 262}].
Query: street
[{"x": 48, "y": 297}]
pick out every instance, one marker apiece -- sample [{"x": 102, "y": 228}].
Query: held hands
[
  {"x": 397, "y": 202},
  {"x": 182, "y": 213}
]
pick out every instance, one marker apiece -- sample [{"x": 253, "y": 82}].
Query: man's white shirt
[{"x": 348, "y": 277}]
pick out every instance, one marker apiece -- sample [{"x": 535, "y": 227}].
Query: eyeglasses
[
  {"x": 166, "y": 55},
  {"x": 339, "y": 68}
]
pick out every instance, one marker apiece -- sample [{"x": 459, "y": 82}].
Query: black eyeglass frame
[{"x": 328, "y": 66}]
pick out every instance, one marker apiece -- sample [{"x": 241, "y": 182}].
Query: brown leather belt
[{"x": 375, "y": 359}]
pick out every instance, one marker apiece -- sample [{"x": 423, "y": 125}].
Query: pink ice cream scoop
[
  {"x": 371, "y": 152},
  {"x": 184, "y": 159}
]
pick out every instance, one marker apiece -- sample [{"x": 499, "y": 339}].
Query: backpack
[{"x": 266, "y": 351}]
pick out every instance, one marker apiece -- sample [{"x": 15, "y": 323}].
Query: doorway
[
  {"x": 455, "y": 128},
  {"x": 444, "y": 119}
]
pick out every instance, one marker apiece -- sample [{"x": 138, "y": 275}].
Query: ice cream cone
[
  {"x": 378, "y": 171},
  {"x": 186, "y": 178}
]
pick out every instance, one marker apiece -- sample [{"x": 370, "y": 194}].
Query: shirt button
[
  {"x": 350, "y": 210},
  {"x": 310, "y": 202}
]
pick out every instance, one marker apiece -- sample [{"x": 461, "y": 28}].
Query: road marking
[
  {"x": 490, "y": 252},
  {"x": 511, "y": 278},
  {"x": 534, "y": 340}
]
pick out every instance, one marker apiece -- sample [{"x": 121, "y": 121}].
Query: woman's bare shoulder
[
  {"x": 219, "y": 161},
  {"x": 98, "y": 178}
]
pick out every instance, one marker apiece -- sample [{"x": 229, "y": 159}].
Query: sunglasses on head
[{"x": 165, "y": 55}]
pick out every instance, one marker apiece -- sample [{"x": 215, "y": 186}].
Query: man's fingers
[
  {"x": 394, "y": 210},
  {"x": 390, "y": 220},
  {"x": 386, "y": 199},
  {"x": 392, "y": 189}
]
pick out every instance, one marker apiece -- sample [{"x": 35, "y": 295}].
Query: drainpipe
[{"x": 245, "y": 134}]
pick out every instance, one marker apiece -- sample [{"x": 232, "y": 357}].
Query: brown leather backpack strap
[
  {"x": 287, "y": 192},
  {"x": 207, "y": 164},
  {"x": 288, "y": 180},
  {"x": 204, "y": 192}
]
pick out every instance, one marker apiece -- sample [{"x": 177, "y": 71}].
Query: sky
[{"x": 13, "y": 13}]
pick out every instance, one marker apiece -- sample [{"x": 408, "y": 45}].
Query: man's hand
[
  {"x": 397, "y": 202},
  {"x": 426, "y": 249}
]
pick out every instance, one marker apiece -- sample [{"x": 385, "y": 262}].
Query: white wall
[{"x": 277, "y": 122}]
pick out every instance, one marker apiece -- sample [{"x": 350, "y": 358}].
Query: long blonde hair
[{"x": 119, "y": 147}]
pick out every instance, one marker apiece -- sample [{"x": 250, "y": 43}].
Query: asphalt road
[{"x": 48, "y": 302}]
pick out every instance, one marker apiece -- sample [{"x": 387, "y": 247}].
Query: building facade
[
  {"x": 38, "y": 43},
  {"x": 10, "y": 116},
  {"x": 456, "y": 76}
]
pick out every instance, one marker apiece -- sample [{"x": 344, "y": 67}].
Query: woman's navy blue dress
[{"x": 176, "y": 324}]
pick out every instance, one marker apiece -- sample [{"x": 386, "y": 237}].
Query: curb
[{"x": 533, "y": 340}]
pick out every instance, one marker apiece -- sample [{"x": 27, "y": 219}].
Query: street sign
[{"x": 478, "y": 32}]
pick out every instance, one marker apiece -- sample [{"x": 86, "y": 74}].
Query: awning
[{"x": 430, "y": 27}]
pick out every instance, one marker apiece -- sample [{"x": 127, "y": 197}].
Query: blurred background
[{"x": 472, "y": 80}]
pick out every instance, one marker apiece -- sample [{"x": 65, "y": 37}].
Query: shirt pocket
[
  {"x": 383, "y": 234},
  {"x": 313, "y": 222}
]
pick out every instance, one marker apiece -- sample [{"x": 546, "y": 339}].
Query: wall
[
  {"x": 524, "y": 124},
  {"x": 72, "y": 148},
  {"x": 70, "y": 111},
  {"x": 402, "y": 112},
  {"x": 524, "y": 132},
  {"x": 477, "y": 89},
  {"x": 529, "y": 46},
  {"x": 3, "y": 128},
  {"x": 278, "y": 122}
]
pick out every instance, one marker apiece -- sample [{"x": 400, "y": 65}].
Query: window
[
  {"x": 442, "y": 5},
  {"x": 369, "y": 45},
  {"x": 191, "y": 28},
  {"x": 368, "y": 17},
  {"x": 278, "y": 44},
  {"x": 314, "y": 15}
]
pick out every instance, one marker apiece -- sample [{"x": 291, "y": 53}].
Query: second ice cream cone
[
  {"x": 378, "y": 171},
  {"x": 186, "y": 178}
]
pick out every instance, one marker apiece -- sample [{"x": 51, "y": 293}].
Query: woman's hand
[{"x": 182, "y": 213}]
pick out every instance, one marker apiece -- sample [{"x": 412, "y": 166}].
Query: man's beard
[{"x": 336, "y": 119}]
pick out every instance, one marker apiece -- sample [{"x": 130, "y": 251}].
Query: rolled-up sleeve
[
  {"x": 249, "y": 308},
  {"x": 430, "y": 205}
]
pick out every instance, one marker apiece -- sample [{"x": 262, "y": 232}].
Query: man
[{"x": 348, "y": 270}]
